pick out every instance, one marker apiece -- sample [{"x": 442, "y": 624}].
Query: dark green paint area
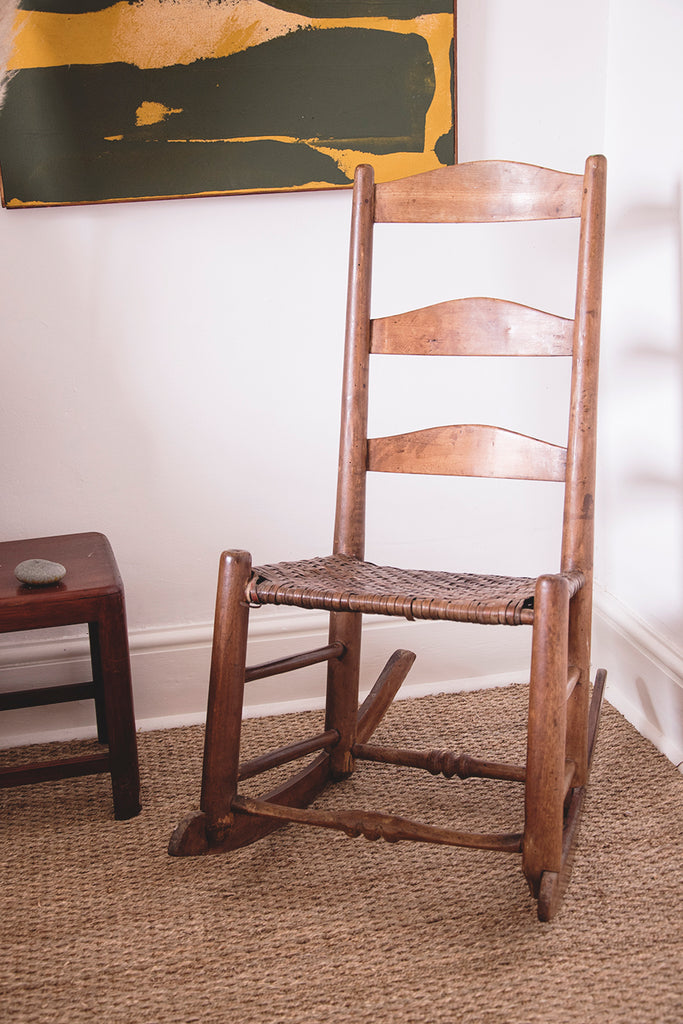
[
  {"x": 350, "y": 88},
  {"x": 444, "y": 149},
  {"x": 148, "y": 170}
]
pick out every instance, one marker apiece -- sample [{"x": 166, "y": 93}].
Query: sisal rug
[{"x": 99, "y": 924}]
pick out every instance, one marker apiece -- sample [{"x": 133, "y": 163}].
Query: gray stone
[{"x": 38, "y": 572}]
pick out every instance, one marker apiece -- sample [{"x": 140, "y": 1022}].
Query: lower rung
[
  {"x": 284, "y": 755},
  {"x": 49, "y": 771},
  {"x": 373, "y": 825},
  {"x": 295, "y": 661},
  {"x": 44, "y": 695},
  {"x": 440, "y": 762}
]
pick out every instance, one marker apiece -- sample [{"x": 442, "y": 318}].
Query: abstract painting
[{"x": 148, "y": 99}]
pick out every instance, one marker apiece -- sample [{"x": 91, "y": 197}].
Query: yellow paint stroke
[
  {"x": 150, "y": 34},
  {"x": 150, "y": 112},
  {"x": 387, "y": 166}
]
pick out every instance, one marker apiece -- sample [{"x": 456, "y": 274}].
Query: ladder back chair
[{"x": 563, "y": 709}]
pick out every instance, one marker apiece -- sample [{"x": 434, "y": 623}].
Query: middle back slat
[
  {"x": 468, "y": 450},
  {"x": 473, "y": 326}
]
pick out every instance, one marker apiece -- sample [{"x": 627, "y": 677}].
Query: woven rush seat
[{"x": 343, "y": 583}]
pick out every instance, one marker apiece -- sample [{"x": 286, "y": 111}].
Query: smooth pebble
[{"x": 39, "y": 572}]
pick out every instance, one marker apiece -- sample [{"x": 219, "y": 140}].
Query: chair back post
[
  {"x": 578, "y": 526},
  {"x": 349, "y": 529}
]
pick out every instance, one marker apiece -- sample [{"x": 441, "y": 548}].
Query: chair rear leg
[
  {"x": 579, "y": 701},
  {"x": 341, "y": 707},
  {"x": 198, "y": 831},
  {"x": 545, "y": 771}
]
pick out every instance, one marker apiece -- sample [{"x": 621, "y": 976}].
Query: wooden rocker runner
[{"x": 562, "y": 717}]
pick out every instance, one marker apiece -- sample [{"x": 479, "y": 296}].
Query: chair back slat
[
  {"x": 482, "y": 192},
  {"x": 473, "y": 450},
  {"x": 473, "y": 327}
]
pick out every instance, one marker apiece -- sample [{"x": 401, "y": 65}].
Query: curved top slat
[
  {"x": 480, "y": 192},
  {"x": 473, "y": 327},
  {"x": 468, "y": 450}
]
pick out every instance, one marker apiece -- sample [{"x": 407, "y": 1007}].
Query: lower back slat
[{"x": 470, "y": 450}]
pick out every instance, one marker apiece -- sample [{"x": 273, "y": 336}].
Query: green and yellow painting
[{"x": 145, "y": 99}]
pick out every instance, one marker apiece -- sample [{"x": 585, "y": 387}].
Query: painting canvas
[{"x": 142, "y": 99}]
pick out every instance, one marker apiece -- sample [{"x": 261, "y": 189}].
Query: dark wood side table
[{"x": 92, "y": 593}]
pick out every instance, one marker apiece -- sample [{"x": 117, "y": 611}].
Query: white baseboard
[
  {"x": 171, "y": 670},
  {"x": 644, "y": 674}
]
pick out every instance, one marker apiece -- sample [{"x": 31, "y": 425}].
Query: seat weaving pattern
[{"x": 343, "y": 583}]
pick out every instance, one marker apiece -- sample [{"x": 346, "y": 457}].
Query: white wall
[
  {"x": 640, "y": 537},
  {"x": 171, "y": 367},
  {"x": 641, "y": 553}
]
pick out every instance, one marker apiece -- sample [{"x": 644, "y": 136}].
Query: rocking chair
[{"x": 562, "y": 715}]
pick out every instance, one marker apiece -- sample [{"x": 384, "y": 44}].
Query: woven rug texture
[{"x": 98, "y": 923}]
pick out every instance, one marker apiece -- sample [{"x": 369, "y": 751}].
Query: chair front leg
[
  {"x": 226, "y": 693},
  {"x": 546, "y": 743}
]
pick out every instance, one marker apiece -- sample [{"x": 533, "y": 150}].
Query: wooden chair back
[{"x": 483, "y": 192}]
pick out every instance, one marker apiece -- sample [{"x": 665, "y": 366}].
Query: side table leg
[
  {"x": 112, "y": 641},
  {"x": 98, "y": 683}
]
